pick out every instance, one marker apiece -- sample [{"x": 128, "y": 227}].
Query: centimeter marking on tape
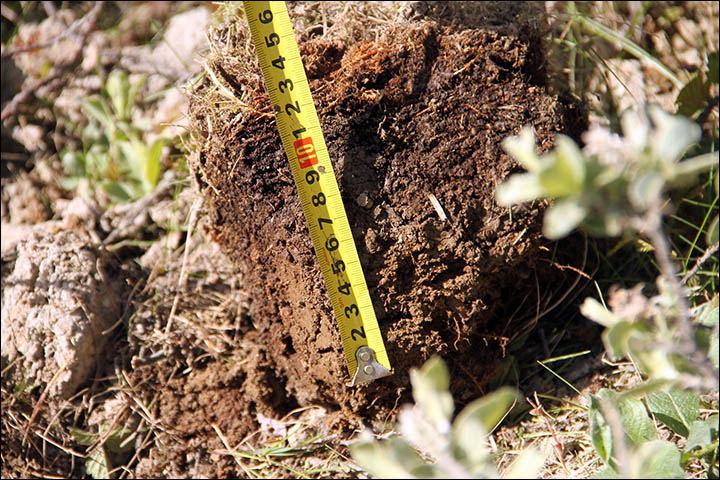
[{"x": 302, "y": 137}]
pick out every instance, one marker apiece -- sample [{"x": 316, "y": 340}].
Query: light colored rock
[
  {"x": 60, "y": 297},
  {"x": 184, "y": 38},
  {"x": 51, "y": 31},
  {"x": 31, "y": 137},
  {"x": 15, "y": 233},
  {"x": 175, "y": 57},
  {"x": 24, "y": 197}
]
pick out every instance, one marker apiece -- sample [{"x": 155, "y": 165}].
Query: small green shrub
[
  {"x": 115, "y": 156},
  {"x": 617, "y": 185},
  {"x": 614, "y": 182},
  {"x": 431, "y": 446}
]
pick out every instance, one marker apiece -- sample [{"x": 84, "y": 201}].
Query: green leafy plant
[
  {"x": 430, "y": 445},
  {"x": 617, "y": 185},
  {"x": 614, "y": 181},
  {"x": 115, "y": 156},
  {"x": 644, "y": 330},
  {"x": 625, "y": 437},
  {"x": 647, "y": 331}
]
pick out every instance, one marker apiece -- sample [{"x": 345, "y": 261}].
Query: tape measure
[{"x": 302, "y": 137}]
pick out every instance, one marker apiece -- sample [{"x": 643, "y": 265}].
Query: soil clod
[{"x": 414, "y": 123}]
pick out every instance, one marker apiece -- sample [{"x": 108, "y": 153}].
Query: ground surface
[{"x": 225, "y": 342}]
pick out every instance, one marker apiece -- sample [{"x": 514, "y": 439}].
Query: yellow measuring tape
[{"x": 305, "y": 147}]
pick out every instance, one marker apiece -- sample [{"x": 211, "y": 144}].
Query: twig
[
  {"x": 8, "y": 13},
  {"x": 540, "y": 411},
  {"x": 128, "y": 225},
  {"x": 183, "y": 277},
  {"x": 41, "y": 400},
  {"x": 698, "y": 263},
  {"x": 231, "y": 452},
  {"x": 650, "y": 224},
  {"x": 55, "y": 72},
  {"x": 8, "y": 52},
  {"x": 569, "y": 289}
]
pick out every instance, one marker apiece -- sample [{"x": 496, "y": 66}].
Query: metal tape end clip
[{"x": 368, "y": 368}]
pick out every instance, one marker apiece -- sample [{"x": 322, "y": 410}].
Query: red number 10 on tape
[{"x": 305, "y": 151}]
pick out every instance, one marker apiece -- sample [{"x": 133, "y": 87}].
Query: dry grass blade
[
  {"x": 41, "y": 400},
  {"x": 182, "y": 279}
]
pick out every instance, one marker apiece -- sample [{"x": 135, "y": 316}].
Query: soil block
[{"x": 418, "y": 114}]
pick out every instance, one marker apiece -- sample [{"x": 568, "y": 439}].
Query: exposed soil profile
[{"x": 420, "y": 112}]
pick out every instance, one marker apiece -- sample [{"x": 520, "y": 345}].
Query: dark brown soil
[{"x": 420, "y": 112}]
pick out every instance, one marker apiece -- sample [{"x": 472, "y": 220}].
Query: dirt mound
[{"x": 412, "y": 119}]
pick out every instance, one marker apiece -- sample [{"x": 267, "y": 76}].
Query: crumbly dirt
[
  {"x": 57, "y": 304},
  {"x": 421, "y": 111}
]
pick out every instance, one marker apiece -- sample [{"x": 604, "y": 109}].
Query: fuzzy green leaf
[
  {"x": 702, "y": 433},
  {"x": 652, "y": 362},
  {"x": 675, "y": 408},
  {"x": 695, "y": 165},
  {"x": 713, "y": 75},
  {"x": 607, "y": 225},
  {"x": 617, "y": 337},
  {"x": 96, "y": 162},
  {"x": 647, "y": 387},
  {"x": 477, "y": 420},
  {"x": 97, "y": 464},
  {"x": 152, "y": 162},
  {"x": 116, "y": 441},
  {"x": 606, "y": 472},
  {"x": 646, "y": 190},
  {"x": 97, "y": 108},
  {"x": 600, "y": 432},
  {"x": 708, "y": 313},
  {"x": 657, "y": 459},
  {"x": 672, "y": 135},
  {"x": 635, "y": 130},
  {"x": 638, "y": 426},
  {"x": 518, "y": 188},
  {"x": 430, "y": 390},
  {"x": 562, "y": 217},
  {"x": 527, "y": 465},
  {"x": 69, "y": 183},
  {"x": 73, "y": 164},
  {"x": 118, "y": 89},
  {"x": 118, "y": 191},
  {"x": 83, "y": 437},
  {"x": 636, "y": 423},
  {"x": 693, "y": 97},
  {"x": 594, "y": 310},
  {"x": 522, "y": 148},
  {"x": 565, "y": 174},
  {"x": 714, "y": 348},
  {"x": 132, "y": 95},
  {"x": 392, "y": 458}
]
